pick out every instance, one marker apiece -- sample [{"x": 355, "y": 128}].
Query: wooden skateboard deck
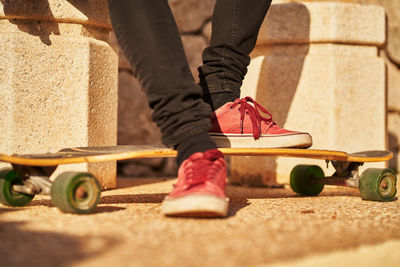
[
  {"x": 110, "y": 153},
  {"x": 79, "y": 192}
]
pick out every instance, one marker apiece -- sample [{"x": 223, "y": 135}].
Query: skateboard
[{"x": 79, "y": 192}]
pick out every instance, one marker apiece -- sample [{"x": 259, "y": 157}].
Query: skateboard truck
[
  {"x": 36, "y": 180},
  {"x": 346, "y": 174}
]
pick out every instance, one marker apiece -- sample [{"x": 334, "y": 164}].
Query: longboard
[
  {"x": 110, "y": 153},
  {"x": 79, "y": 192}
]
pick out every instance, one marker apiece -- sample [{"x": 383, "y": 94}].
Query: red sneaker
[
  {"x": 239, "y": 124},
  {"x": 200, "y": 190}
]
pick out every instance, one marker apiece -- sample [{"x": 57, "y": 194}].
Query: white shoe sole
[
  {"x": 200, "y": 206},
  {"x": 297, "y": 140}
]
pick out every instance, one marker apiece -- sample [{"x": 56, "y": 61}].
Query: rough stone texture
[
  {"x": 323, "y": 22},
  {"x": 207, "y": 31},
  {"x": 190, "y": 15},
  {"x": 393, "y": 62},
  {"x": 393, "y": 11},
  {"x": 264, "y": 227},
  {"x": 336, "y": 92},
  {"x": 134, "y": 112},
  {"x": 123, "y": 64},
  {"x": 392, "y": 8},
  {"x": 58, "y": 80},
  {"x": 92, "y": 12},
  {"x": 391, "y": 54},
  {"x": 393, "y": 76},
  {"x": 194, "y": 46},
  {"x": 393, "y": 132}
]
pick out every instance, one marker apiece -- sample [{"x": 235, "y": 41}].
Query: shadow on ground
[
  {"x": 99, "y": 209},
  {"x": 264, "y": 226},
  {"x": 239, "y": 195},
  {"x": 134, "y": 198},
  {"x": 22, "y": 247}
]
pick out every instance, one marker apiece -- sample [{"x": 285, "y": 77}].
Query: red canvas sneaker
[
  {"x": 200, "y": 190},
  {"x": 240, "y": 124}
]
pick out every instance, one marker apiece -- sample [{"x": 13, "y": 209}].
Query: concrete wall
[
  {"x": 389, "y": 52},
  {"x": 316, "y": 68},
  {"x": 58, "y": 79}
]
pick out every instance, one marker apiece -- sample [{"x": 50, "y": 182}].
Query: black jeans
[{"x": 148, "y": 35}]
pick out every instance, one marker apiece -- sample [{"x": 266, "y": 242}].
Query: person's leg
[
  {"x": 235, "y": 27},
  {"x": 147, "y": 33},
  {"x": 149, "y": 38}
]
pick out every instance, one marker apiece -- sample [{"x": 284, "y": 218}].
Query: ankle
[
  {"x": 196, "y": 143},
  {"x": 217, "y": 100}
]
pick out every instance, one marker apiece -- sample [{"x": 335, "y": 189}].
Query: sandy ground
[{"x": 265, "y": 227}]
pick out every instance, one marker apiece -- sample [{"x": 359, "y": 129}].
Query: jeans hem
[
  {"x": 186, "y": 132},
  {"x": 220, "y": 88}
]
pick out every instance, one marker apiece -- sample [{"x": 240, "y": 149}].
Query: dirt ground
[{"x": 265, "y": 227}]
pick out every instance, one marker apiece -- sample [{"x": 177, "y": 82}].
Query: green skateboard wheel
[
  {"x": 300, "y": 179},
  {"x": 76, "y": 192},
  {"x": 378, "y": 184},
  {"x": 8, "y": 196}
]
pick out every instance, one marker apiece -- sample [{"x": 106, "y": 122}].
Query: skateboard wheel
[
  {"x": 300, "y": 179},
  {"x": 76, "y": 192},
  {"x": 8, "y": 196},
  {"x": 378, "y": 184}
]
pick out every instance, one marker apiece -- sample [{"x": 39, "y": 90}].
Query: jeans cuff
[{"x": 185, "y": 132}]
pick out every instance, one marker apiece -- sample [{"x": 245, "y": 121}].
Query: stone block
[
  {"x": 394, "y": 139},
  {"x": 338, "y": 99},
  {"x": 336, "y": 92},
  {"x": 393, "y": 81},
  {"x": 91, "y": 12},
  {"x": 133, "y": 112},
  {"x": 207, "y": 31},
  {"x": 392, "y": 8},
  {"x": 123, "y": 63},
  {"x": 58, "y": 81},
  {"x": 194, "y": 46},
  {"x": 190, "y": 15},
  {"x": 302, "y": 23}
]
